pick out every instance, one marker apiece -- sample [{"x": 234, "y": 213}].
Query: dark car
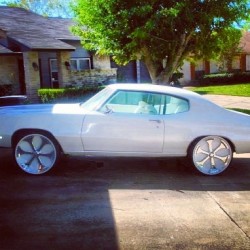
[{"x": 13, "y": 100}]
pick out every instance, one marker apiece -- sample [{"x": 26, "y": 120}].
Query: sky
[
  {"x": 2, "y": 2},
  {"x": 39, "y": 8}
]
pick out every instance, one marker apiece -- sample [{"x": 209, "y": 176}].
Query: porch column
[
  {"x": 63, "y": 59},
  {"x": 31, "y": 75}
]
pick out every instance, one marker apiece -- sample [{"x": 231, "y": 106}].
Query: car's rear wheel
[
  {"x": 36, "y": 153},
  {"x": 211, "y": 155}
]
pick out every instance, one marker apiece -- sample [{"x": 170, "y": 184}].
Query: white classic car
[{"x": 130, "y": 120}]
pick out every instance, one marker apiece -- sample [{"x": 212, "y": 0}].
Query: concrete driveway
[
  {"x": 230, "y": 101},
  {"x": 125, "y": 204}
]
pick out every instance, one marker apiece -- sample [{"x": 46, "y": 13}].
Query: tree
[
  {"x": 157, "y": 30},
  {"x": 228, "y": 47},
  {"x": 58, "y": 8}
]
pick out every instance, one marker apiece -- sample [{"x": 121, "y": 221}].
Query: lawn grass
[
  {"x": 233, "y": 90},
  {"x": 246, "y": 111}
]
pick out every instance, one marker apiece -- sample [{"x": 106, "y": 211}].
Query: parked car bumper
[{"x": 13, "y": 100}]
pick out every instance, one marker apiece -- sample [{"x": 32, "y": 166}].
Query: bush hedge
[
  {"x": 227, "y": 78},
  {"x": 67, "y": 94}
]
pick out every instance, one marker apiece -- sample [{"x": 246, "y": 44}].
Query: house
[
  {"x": 39, "y": 52},
  {"x": 240, "y": 63}
]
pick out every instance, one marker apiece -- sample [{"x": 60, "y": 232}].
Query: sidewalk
[{"x": 230, "y": 101}]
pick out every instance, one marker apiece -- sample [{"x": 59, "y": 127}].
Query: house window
[{"x": 80, "y": 63}]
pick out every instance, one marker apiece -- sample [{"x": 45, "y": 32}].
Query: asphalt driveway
[{"x": 125, "y": 204}]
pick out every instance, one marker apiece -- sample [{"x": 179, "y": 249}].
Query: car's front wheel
[
  {"x": 36, "y": 153},
  {"x": 211, "y": 155}
]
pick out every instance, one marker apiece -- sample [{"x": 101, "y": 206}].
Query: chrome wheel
[
  {"x": 212, "y": 155},
  {"x": 35, "y": 153}
]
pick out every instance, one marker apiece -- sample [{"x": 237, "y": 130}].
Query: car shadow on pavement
[{"x": 73, "y": 206}]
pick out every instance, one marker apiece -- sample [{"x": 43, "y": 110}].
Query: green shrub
[
  {"x": 66, "y": 94},
  {"x": 225, "y": 78}
]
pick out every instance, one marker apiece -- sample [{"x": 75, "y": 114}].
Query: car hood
[{"x": 44, "y": 108}]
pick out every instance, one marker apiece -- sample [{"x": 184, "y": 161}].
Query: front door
[{"x": 120, "y": 132}]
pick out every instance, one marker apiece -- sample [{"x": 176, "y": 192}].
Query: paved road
[{"x": 125, "y": 204}]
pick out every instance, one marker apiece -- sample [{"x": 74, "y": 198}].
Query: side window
[
  {"x": 135, "y": 102},
  {"x": 176, "y": 105},
  {"x": 138, "y": 102}
]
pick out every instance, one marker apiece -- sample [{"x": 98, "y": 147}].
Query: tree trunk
[
  {"x": 160, "y": 75},
  {"x": 152, "y": 66}
]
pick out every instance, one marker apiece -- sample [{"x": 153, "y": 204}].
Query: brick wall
[
  {"x": 32, "y": 76},
  {"x": 63, "y": 72}
]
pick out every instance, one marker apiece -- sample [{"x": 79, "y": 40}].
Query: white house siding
[
  {"x": 214, "y": 67},
  {"x": 186, "y": 70}
]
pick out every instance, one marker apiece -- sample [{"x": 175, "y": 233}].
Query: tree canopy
[{"x": 159, "y": 30}]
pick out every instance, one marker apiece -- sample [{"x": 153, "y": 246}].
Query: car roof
[{"x": 155, "y": 88}]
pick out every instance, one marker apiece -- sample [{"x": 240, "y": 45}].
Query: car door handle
[{"x": 155, "y": 120}]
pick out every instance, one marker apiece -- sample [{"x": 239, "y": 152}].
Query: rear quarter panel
[{"x": 205, "y": 118}]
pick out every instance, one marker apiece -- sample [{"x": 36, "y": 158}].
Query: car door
[{"x": 125, "y": 124}]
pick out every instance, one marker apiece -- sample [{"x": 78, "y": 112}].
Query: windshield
[{"x": 94, "y": 102}]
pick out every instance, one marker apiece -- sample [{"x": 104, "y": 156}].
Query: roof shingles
[{"x": 36, "y": 32}]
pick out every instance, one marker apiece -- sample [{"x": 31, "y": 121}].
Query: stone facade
[
  {"x": 102, "y": 73},
  {"x": 92, "y": 77}
]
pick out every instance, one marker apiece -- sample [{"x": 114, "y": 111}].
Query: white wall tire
[
  {"x": 211, "y": 155},
  {"x": 36, "y": 153}
]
